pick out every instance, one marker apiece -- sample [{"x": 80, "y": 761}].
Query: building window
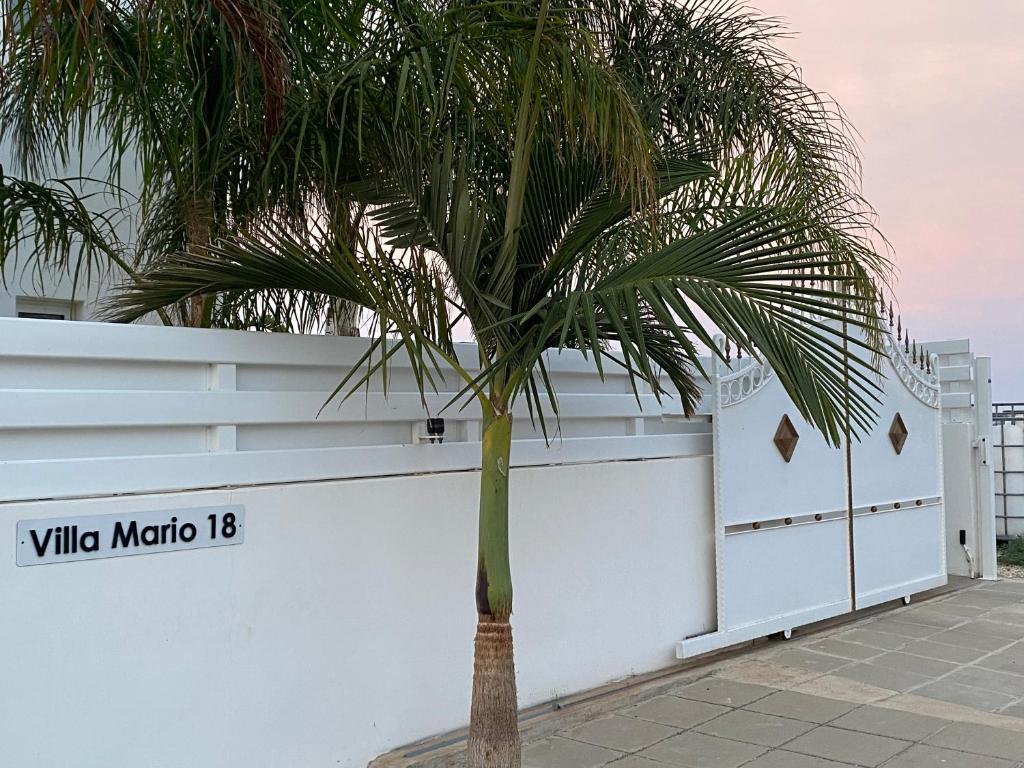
[
  {"x": 33, "y": 308},
  {"x": 42, "y": 315}
]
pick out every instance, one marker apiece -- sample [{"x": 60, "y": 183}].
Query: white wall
[{"x": 342, "y": 626}]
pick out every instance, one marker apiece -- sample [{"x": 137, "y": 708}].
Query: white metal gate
[{"x": 799, "y": 536}]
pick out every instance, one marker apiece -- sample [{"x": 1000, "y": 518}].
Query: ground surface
[{"x": 932, "y": 685}]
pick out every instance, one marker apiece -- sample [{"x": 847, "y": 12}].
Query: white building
[{"x": 30, "y": 291}]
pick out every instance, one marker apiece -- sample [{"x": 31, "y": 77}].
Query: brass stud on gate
[
  {"x": 896, "y": 505},
  {"x": 874, "y": 509},
  {"x": 817, "y": 518},
  {"x": 788, "y": 521},
  {"x": 918, "y": 502},
  {"x": 756, "y": 526}
]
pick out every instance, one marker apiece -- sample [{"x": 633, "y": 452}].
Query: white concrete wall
[{"x": 342, "y": 626}]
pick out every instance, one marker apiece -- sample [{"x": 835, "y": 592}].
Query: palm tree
[
  {"x": 195, "y": 98},
  {"x": 618, "y": 178}
]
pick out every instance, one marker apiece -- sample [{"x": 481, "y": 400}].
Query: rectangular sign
[{"x": 64, "y": 540}]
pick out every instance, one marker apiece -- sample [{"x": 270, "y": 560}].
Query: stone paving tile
[
  {"x": 890, "y": 722},
  {"x": 1010, "y": 660},
  {"x": 633, "y": 761},
  {"x": 847, "y": 746},
  {"x": 975, "y": 598},
  {"x": 802, "y": 658},
  {"x": 964, "y": 695},
  {"x": 1011, "y": 587},
  {"x": 918, "y": 665},
  {"x": 698, "y": 750},
  {"x": 980, "y": 740},
  {"x": 903, "y": 629},
  {"x": 931, "y": 617},
  {"x": 924, "y": 756},
  {"x": 881, "y": 677},
  {"x": 715, "y": 690},
  {"x": 933, "y": 650},
  {"x": 779, "y": 758},
  {"x": 565, "y": 753},
  {"x": 1014, "y": 710},
  {"x": 624, "y": 734},
  {"x": 879, "y": 640},
  {"x": 965, "y": 639},
  {"x": 672, "y": 710},
  {"x": 669, "y": 710},
  {"x": 967, "y": 611},
  {"x": 992, "y": 628},
  {"x": 990, "y": 680},
  {"x": 801, "y": 706},
  {"x": 852, "y": 651},
  {"x": 755, "y": 728},
  {"x": 1013, "y": 617}
]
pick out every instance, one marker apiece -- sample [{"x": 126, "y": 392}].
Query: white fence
[
  {"x": 967, "y": 438},
  {"x": 342, "y": 626},
  {"x": 1008, "y": 468},
  {"x": 91, "y": 409}
]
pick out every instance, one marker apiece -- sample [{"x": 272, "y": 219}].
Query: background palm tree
[
  {"x": 619, "y": 178},
  {"x": 193, "y": 101}
]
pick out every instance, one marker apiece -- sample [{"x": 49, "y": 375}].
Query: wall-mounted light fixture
[{"x": 435, "y": 430}]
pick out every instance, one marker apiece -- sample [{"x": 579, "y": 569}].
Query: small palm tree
[{"x": 590, "y": 179}]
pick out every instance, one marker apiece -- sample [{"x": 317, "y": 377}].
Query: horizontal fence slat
[
  {"x": 956, "y": 400},
  {"x": 948, "y": 346},
  {"x": 49, "y": 409},
  {"x": 73, "y": 478},
  {"x": 24, "y": 338},
  {"x": 955, "y": 373}
]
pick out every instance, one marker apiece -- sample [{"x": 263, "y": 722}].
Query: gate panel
[
  {"x": 784, "y": 503},
  {"x": 899, "y": 526},
  {"x": 781, "y": 538}
]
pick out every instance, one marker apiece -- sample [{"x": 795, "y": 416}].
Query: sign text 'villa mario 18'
[{"x": 61, "y": 540}]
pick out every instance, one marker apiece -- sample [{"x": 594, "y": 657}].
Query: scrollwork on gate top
[
  {"x": 924, "y": 385},
  {"x": 736, "y": 385}
]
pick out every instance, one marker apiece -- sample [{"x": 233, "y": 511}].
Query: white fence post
[
  {"x": 221, "y": 438},
  {"x": 986, "y": 477}
]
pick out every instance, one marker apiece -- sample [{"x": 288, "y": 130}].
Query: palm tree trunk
[
  {"x": 198, "y": 232},
  {"x": 493, "y": 721}
]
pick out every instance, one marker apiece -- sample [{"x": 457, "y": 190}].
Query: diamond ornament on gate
[
  {"x": 786, "y": 438},
  {"x": 898, "y": 434}
]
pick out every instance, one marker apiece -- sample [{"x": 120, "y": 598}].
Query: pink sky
[{"x": 936, "y": 90}]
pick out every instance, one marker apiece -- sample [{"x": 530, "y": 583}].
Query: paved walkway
[{"x": 931, "y": 685}]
